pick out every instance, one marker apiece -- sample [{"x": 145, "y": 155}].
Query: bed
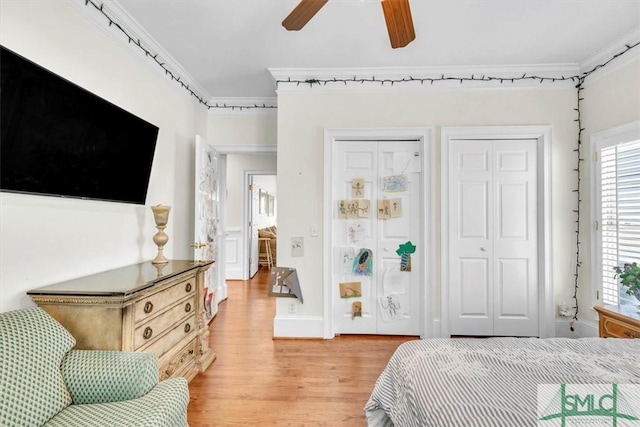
[{"x": 493, "y": 382}]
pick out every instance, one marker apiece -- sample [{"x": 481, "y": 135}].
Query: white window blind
[{"x": 620, "y": 214}]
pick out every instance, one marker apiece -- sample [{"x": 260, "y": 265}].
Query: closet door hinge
[
  {"x": 250, "y": 187},
  {"x": 596, "y": 225},
  {"x": 595, "y": 156}
]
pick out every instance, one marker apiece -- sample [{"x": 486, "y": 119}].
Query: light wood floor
[{"x": 259, "y": 381}]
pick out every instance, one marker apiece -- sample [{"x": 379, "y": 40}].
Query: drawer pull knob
[
  {"x": 187, "y": 328},
  {"x": 147, "y": 333},
  {"x": 188, "y": 287},
  {"x": 148, "y": 307},
  {"x": 187, "y": 307}
]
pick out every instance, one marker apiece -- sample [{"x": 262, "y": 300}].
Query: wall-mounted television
[{"x": 58, "y": 139}]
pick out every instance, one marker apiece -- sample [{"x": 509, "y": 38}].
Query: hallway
[{"x": 259, "y": 381}]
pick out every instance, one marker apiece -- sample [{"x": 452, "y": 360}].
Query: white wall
[
  {"x": 242, "y": 128},
  {"x": 610, "y": 100},
  {"x": 303, "y": 116},
  {"x": 44, "y": 240}
]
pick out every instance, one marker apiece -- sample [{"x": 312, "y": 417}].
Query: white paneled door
[
  {"x": 493, "y": 237},
  {"x": 207, "y": 220},
  {"x": 378, "y": 209}
]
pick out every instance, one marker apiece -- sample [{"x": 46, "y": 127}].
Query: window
[{"x": 616, "y": 208}]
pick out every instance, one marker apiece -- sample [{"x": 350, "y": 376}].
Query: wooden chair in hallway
[{"x": 264, "y": 252}]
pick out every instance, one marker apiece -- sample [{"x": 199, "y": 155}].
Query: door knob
[{"x": 483, "y": 249}]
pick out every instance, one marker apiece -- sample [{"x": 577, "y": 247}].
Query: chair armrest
[{"x": 99, "y": 376}]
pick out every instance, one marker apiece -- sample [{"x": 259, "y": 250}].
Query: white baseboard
[
  {"x": 298, "y": 327},
  {"x": 233, "y": 273},
  {"x": 581, "y": 329}
]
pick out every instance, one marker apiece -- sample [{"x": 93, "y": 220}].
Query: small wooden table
[{"x": 618, "y": 322}]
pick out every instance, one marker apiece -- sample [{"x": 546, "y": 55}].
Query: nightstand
[{"x": 618, "y": 322}]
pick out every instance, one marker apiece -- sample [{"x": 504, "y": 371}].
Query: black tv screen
[{"x": 58, "y": 139}]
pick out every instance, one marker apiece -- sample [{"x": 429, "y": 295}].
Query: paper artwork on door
[
  {"x": 350, "y": 289},
  {"x": 406, "y": 162},
  {"x": 357, "y": 188},
  {"x": 392, "y": 282},
  {"x": 357, "y": 231},
  {"x": 390, "y": 307},
  {"x": 384, "y": 209},
  {"x": 395, "y": 208},
  {"x": 394, "y": 183},
  {"x": 356, "y": 309},
  {"x": 405, "y": 250},
  {"x": 353, "y": 206},
  {"x": 346, "y": 254},
  {"x": 363, "y": 263},
  {"x": 363, "y": 208},
  {"x": 405, "y": 262},
  {"x": 342, "y": 209}
]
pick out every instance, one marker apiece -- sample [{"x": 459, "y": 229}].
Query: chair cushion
[
  {"x": 32, "y": 345},
  {"x": 165, "y": 405},
  {"x": 100, "y": 376}
]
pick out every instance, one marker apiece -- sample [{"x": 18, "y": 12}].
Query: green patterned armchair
[{"x": 43, "y": 382}]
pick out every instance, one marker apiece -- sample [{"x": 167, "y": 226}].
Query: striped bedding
[{"x": 490, "y": 382}]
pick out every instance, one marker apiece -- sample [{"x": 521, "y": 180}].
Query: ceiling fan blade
[
  {"x": 397, "y": 15},
  {"x": 302, "y": 13}
]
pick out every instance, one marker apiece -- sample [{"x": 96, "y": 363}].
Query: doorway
[
  {"x": 240, "y": 162},
  {"x": 263, "y": 219}
]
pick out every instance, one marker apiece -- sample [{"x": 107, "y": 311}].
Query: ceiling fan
[{"x": 397, "y": 15}]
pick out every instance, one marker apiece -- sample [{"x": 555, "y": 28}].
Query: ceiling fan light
[
  {"x": 397, "y": 15},
  {"x": 302, "y": 13}
]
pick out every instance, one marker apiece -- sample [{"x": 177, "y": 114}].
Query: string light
[
  {"x": 578, "y": 79},
  {"x": 577, "y": 210},
  {"x": 172, "y": 75}
]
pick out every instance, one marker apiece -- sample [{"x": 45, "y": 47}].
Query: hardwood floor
[{"x": 259, "y": 381}]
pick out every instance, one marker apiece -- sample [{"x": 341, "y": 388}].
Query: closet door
[
  {"x": 493, "y": 242},
  {"x": 390, "y": 298}
]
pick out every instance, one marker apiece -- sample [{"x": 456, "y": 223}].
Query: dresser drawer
[
  {"x": 185, "y": 330},
  {"x": 150, "y": 331},
  {"x": 178, "y": 363},
  {"x": 153, "y": 304},
  {"x": 617, "y": 329}
]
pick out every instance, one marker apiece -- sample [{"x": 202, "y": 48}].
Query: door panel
[
  {"x": 516, "y": 238},
  {"x": 397, "y": 157},
  {"x": 253, "y": 229},
  {"x": 493, "y": 237},
  {"x": 206, "y": 220},
  {"x": 390, "y": 298}
]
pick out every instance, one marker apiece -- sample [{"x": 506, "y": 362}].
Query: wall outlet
[{"x": 293, "y": 307}]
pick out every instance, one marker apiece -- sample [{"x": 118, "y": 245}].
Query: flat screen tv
[{"x": 58, "y": 139}]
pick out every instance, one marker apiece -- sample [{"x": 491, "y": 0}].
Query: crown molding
[
  {"x": 141, "y": 39},
  {"x": 412, "y": 78},
  {"x": 241, "y": 105},
  {"x": 245, "y": 149},
  {"x": 605, "y": 55}
]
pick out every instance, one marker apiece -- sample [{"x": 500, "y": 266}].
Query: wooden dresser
[
  {"x": 141, "y": 307},
  {"x": 618, "y": 323}
]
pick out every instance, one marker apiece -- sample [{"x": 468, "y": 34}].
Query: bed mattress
[{"x": 493, "y": 382}]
